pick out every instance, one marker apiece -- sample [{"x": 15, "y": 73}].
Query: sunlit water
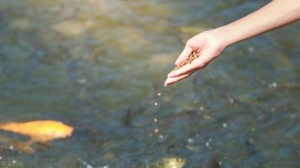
[{"x": 99, "y": 66}]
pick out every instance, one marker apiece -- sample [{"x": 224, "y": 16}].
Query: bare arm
[
  {"x": 276, "y": 14},
  {"x": 211, "y": 43}
]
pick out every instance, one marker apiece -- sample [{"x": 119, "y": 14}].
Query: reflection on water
[{"x": 100, "y": 65}]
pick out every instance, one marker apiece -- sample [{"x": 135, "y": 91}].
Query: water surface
[{"x": 100, "y": 66}]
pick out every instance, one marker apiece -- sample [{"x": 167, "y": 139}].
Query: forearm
[{"x": 276, "y": 14}]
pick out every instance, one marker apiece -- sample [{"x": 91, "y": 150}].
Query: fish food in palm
[{"x": 190, "y": 58}]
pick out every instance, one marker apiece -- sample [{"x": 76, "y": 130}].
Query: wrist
[{"x": 225, "y": 36}]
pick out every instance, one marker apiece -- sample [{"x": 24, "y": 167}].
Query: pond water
[{"x": 99, "y": 66}]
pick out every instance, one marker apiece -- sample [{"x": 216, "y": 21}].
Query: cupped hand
[{"x": 209, "y": 46}]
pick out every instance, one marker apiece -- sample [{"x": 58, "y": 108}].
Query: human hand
[
  {"x": 208, "y": 44},
  {"x": 211, "y": 43}
]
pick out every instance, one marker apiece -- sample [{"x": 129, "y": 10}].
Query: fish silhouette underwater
[{"x": 40, "y": 131}]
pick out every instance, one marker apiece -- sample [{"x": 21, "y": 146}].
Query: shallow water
[{"x": 100, "y": 65}]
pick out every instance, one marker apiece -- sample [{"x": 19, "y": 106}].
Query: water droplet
[
  {"x": 224, "y": 125},
  {"x": 230, "y": 100},
  {"x": 272, "y": 85},
  {"x": 190, "y": 140},
  {"x": 207, "y": 144},
  {"x": 250, "y": 49}
]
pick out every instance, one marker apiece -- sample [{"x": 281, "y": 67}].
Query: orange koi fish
[{"x": 40, "y": 131}]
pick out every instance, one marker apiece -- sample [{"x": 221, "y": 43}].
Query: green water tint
[{"x": 100, "y": 65}]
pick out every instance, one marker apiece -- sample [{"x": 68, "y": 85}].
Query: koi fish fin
[
  {"x": 20, "y": 146},
  {"x": 24, "y": 147}
]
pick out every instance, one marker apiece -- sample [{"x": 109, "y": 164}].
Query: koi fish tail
[{"x": 12, "y": 127}]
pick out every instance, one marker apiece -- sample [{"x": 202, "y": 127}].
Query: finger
[
  {"x": 174, "y": 79},
  {"x": 189, "y": 68},
  {"x": 184, "y": 54},
  {"x": 170, "y": 81}
]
